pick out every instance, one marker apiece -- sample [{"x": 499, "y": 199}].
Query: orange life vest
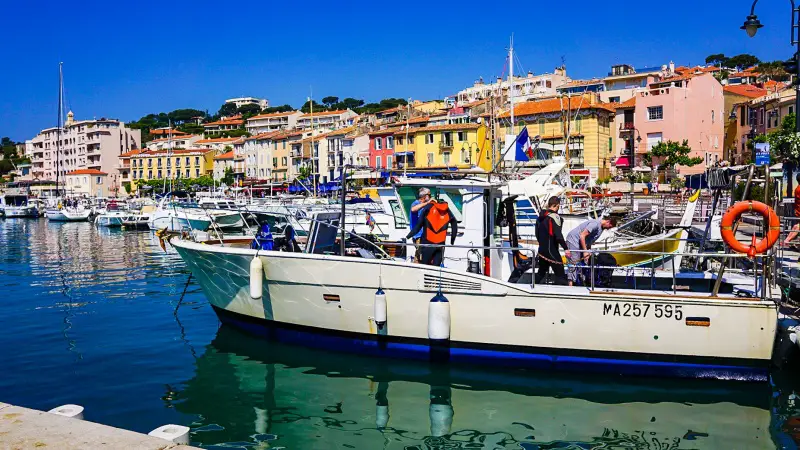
[{"x": 437, "y": 220}]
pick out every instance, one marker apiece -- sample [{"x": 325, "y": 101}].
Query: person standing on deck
[
  {"x": 423, "y": 199},
  {"x": 433, "y": 222},
  {"x": 550, "y": 237},
  {"x": 581, "y": 238}
]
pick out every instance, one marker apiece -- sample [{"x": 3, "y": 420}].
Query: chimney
[
  {"x": 530, "y": 74},
  {"x": 671, "y": 67},
  {"x": 499, "y": 79}
]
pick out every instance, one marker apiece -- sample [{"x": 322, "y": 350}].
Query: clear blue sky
[{"x": 125, "y": 60}]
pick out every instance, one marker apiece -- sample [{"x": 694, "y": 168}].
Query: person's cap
[{"x": 423, "y": 192}]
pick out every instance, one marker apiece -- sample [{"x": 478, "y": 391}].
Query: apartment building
[
  {"x": 264, "y": 123},
  {"x": 222, "y": 163},
  {"x": 242, "y": 101},
  {"x": 89, "y": 183},
  {"x": 524, "y": 88},
  {"x": 683, "y": 107},
  {"x": 258, "y": 152},
  {"x": 219, "y": 127},
  {"x": 179, "y": 141},
  {"x": 84, "y": 144},
  {"x": 739, "y": 119},
  {"x": 588, "y": 120},
  {"x": 327, "y": 120},
  {"x": 285, "y": 144},
  {"x": 218, "y": 144},
  {"x": 161, "y": 164},
  {"x": 462, "y": 145}
]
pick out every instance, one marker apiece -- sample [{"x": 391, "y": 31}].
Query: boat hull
[
  {"x": 328, "y": 301},
  {"x": 21, "y": 211},
  {"x": 67, "y": 216}
]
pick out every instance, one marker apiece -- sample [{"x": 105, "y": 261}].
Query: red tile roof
[
  {"x": 87, "y": 172},
  {"x": 228, "y": 155},
  {"x": 745, "y": 90},
  {"x": 132, "y": 153},
  {"x": 276, "y": 114},
  {"x": 551, "y": 105},
  {"x": 629, "y": 103},
  {"x": 236, "y": 120}
]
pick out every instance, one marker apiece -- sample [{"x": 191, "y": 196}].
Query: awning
[
  {"x": 404, "y": 154},
  {"x": 623, "y": 161}
]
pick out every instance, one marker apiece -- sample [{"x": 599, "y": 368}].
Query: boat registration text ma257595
[{"x": 660, "y": 311}]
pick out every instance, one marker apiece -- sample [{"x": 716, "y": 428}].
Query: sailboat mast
[
  {"x": 60, "y": 121},
  {"x": 511, "y": 81}
]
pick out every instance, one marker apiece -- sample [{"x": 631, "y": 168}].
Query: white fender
[
  {"x": 439, "y": 318},
  {"x": 256, "y": 277},
  {"x": 380, "y": 308}
]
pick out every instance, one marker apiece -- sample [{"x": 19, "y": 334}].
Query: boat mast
[
  {"x": 511, "y": 80},
  {"x": 408, "y": 119},
  {"x": 60, "y": 121},
  {"x": 311, "y": 149}
]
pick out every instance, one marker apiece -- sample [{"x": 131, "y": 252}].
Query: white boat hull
[
  {"x": 63, "y": 215},
  {"x": 636, "y": 332},
  {"x": 21, "y": 211}
]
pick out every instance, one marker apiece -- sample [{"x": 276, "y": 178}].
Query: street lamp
[{"x": 752, "y": 24}]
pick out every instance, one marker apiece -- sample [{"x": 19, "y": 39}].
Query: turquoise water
[{"x": 107, "y": 320}]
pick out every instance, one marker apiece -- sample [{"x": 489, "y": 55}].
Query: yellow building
[
  {"x": 461, "y": 145},
  {"x": 182, "y": 163},
  {"x": 591, "y": 141}
]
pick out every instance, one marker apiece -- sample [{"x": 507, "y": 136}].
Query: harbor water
[{"x": 106, "y": 319}]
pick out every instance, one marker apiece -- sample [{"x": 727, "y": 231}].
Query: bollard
[
  {"x": 178, "y": 434},
  {"x": 71, "y": 411}
]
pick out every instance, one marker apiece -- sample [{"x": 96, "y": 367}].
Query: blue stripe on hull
[{"x": 381, "y": 347}]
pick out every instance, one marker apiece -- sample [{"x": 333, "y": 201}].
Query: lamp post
[{"x": 751, "y": 26}]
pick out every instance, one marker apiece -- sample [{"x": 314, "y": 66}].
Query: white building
[
  {"x": 525, "y": 88},
  {"x": 89, "y": 183},
  {"x": 241, "y": 101},
  {"x": 182, "y": 141},
  {"x": 84, "y": 144},
  {"x": 218, "y": 144},
  {"x": 327, "y": 120},
  {"x": 258, "y": 152},
  {"x": 264, "y": 123}
]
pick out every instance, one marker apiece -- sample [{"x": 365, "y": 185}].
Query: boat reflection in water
[{"x": 250, "y": 393}]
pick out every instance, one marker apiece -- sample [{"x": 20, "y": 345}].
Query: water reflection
[{"x": 249, "y": 392}]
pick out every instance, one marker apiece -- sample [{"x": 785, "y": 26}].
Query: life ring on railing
[{"x": 756, "y": 247}]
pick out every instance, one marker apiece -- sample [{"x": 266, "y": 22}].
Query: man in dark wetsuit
[
  {"x": 550, "y": 237},
  {"x": 433, "y": 221}
]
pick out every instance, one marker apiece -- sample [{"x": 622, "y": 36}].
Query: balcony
[
  {"x": 626, "y": 126},
  {"x": 445, "y": 145}
]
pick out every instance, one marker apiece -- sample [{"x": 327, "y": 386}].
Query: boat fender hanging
[
  {"x": 380, "y": 308},
  {"x": 439, "y": 318},
  {"x": 755, "y": 247},
  {"x": 256, "y": 277}
]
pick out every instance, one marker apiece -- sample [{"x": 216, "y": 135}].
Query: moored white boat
[
  {"x": 18, "y": 205},
  {"x": 79, "y": 214},
  {"x": 332, "y": 301}
]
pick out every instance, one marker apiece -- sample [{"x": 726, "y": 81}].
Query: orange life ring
[{"x": 756, "y": 247}]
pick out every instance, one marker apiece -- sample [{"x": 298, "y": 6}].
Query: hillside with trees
[{"x": 10, "y": 157}]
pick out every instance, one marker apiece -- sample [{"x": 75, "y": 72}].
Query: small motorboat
[{"x": 113, "y": 217}]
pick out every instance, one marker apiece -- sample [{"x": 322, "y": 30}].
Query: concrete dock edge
[{"x": 24, "y": 428}]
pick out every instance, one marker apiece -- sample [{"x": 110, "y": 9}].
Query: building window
[
  {"x": 712, "y": 116},
  {"x": 614, "y": 99},
  {"x": 430, "y": 159},
  {"x": 378, "y": 143},
  {"x": 197, "y": 161},
  {"x": 400, "y": 141},
  {"x": 159, "y": 162},
  {"x": 410, "y": 140},
  {"x": 160, "y": 175},
  {"x": 284, "y": 161},
  {"x": 377, "y": 162},
  {"x": 177, "y": 162},
  {"x": 462, "y": 136},
  {"x": 149, "y": 174},
  {"x": 464, "y": 157},
  {"x": 197, "y": 173},
  {"x": 446, "y": 156},
  {"x": 99, "y": 180},
  {"x": 187, "y": 160},
  {"x": 187, "y": 173},
  {"x": 742, "y": 115},
  {"x": 390, "y": 142},
  {"x": 149, "y": 163},
  {"x": 429, "y": 138},
  {"x": 388, "y": 162},
  {"x": 447, "y": 139},
  {"x": 655, "y": 113},
  {"x": 791, "y": 110},
  {"x": 578, "y": 124},
  {"x": 541, "y": 127}
]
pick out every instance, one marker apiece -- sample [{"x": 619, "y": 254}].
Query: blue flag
[{"x": 524, "y": 151}]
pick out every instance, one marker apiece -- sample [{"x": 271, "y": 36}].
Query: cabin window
[{"x": 400, "y": 221}]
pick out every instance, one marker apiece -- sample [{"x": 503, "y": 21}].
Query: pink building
[
  {"x": 381, "y": 148},
  {"x": 688, "y": 106}
]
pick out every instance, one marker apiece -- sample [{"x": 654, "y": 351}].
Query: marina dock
[{"x": 24, "y": 428}]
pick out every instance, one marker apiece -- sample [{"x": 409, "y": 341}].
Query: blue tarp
[{"x": 697, "y": 181}]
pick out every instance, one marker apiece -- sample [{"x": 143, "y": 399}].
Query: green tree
[
  {"x": 228, "y": 177},
  {"x": 306, "y": 108},
  {"x": 351, "y": 103},
  {"x": 249, "y": 110},
  {"x": 717, "y": 59},
  {"x": 671, "y": 153},
  {"x": 744, "y": 61},
  {"x": 330, "y": 100},
  {"x": 304, "y": 172},
  {"x": 227, "y": 110},
  {"x": 275, "y": 109}
]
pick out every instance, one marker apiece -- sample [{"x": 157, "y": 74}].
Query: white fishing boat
[
  {"x": 470, "y": 311},
  {"x": 175, "y": 214},
  {"x": 113, "y": 217},
  {"x": 17, "y": 204},
  {"x": 61, "y": 213}
]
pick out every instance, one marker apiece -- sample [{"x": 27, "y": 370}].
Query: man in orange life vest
[{"x": 433, "y": 221}]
